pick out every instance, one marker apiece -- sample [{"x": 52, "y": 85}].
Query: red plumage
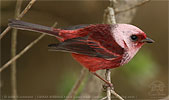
[{"x": 101, "y": 35}]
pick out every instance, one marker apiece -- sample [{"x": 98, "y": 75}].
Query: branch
[
  {"x": 13, "y": 53},
  {"x": 108, "y": 78},
  {"x": 19, "y": 17},
  {"x": 23, "y": 51},
  {"x": 76, "y": 86},
  {"x": 130, "y": 8},
  {"x": 109, "y": 18},
  {"x": 116, "y": 95},
  {"x": 92, "y": 86}
]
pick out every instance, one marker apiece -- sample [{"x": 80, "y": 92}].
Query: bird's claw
[{"x": 107, "y": 85}]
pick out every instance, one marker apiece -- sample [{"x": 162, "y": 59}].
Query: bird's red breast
[{"x": 95, "y": 63}]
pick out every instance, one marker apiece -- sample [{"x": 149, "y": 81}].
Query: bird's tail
[{"x": 32, "y": 27}]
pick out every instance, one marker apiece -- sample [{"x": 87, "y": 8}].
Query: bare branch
[
  {"x": 13, "y": 53},
  {"x": 108, "y": 78},
  {"x": 21, "y": 53},
  {"x": 109, "y": 18},
  {"x": 76, "y": 86},
  {"x": 4, "y": 32},
  {"x": 26, "y": 9},
  {"x": 19, "y": 17},
  {"x": 24, "y": 50},
  {"x": 130, "y": 8},
  {"x": 112, "y": 2},
  {"x": 116, "y": 95},
  {"x": 104, "y": 98},
  {"x": 92, "y": 86}
]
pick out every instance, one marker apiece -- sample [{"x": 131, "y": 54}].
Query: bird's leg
[{"x": 108, "y": 83}]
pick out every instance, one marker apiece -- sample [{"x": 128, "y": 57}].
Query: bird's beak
[{"x": 147, "y": 40}]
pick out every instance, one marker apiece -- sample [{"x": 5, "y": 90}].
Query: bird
[{"x": 94, "y": 46}]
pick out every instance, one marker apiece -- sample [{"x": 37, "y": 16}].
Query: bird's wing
[
  {"x": 102, "y": 34},
  {"x": 85, "y": 46}
]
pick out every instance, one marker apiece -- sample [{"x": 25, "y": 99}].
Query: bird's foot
[{"x": 106, "y": 85}]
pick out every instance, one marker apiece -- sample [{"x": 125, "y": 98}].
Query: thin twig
[
  {"x": 110, "y": 90},
  {"x": 108, "y": 78},
  {"x": 116, "y": 95},
  {"x": 13, "y": 53},
  {"x": 23, "y": 51},
  {"x": 112, "y": 2},
  {"x": 130, "y": 8},
  {"x": 26, "y": 9},
  {"x": 4, "y": 32},
  {"x": 76, "y": 86},
  {"x": 19, "y": 17},
  {"x": 109, "y": 18},
  {"x": 104, "y": 98}
]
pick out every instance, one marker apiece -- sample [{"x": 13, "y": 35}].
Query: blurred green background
[{"x": 44, "y": 73}]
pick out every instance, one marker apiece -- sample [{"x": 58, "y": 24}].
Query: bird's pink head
[{"x": 130, "y": 37}]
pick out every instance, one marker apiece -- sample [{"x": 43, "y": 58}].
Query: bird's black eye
[{"x": 134, "y": 37}]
